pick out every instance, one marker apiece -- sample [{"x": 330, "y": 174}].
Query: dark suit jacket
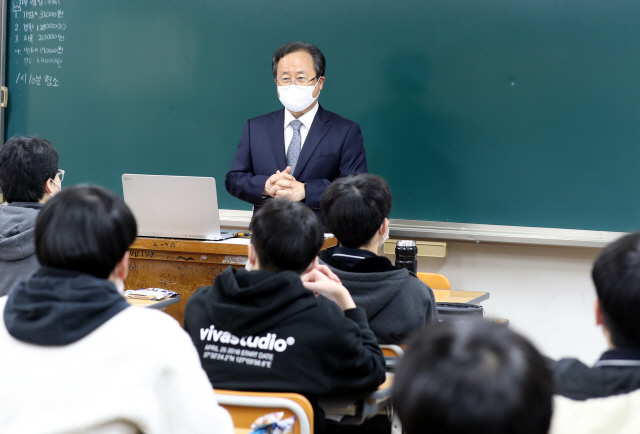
[{"x": 333, "y": 148}]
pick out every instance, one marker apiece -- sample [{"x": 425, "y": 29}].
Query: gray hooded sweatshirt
[
  {"x": 395, "y": 300},
  {"x": 17, "y": 243}
]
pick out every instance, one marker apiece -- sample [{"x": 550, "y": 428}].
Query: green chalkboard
[{"x": 502, "y": 112}]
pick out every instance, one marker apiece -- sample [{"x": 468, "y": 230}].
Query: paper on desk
[{"x": 150, "y": 293}]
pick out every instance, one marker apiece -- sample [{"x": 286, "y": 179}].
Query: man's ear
[
  {"x": 385, "y": 226},
  {"x": 252, "y": 257},
  {"x": 599, "y": 315},
  {"x": 48, "y": 189},
  {"x": 122, "y": 267}
]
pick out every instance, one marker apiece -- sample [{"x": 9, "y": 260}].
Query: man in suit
[{"x": 296, "y": 152}]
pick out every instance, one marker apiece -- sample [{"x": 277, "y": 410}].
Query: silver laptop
[{"x": 174, "y": 206}]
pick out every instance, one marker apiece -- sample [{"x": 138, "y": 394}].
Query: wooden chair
[
  {"x": 246, "y": 407},
  {"x": 392, "y": 355},
  {"x": 434, "y": 280},
  {"x": 392, "y": 350}
]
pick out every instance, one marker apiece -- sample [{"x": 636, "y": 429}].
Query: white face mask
[{"x": 295, "y": 98}]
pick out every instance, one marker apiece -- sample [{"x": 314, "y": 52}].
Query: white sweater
[
  {"x": 617, "y": 414},
  {"x": 138, "y": 372}
]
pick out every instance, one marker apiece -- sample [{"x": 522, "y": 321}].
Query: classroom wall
[{"x": 545, "y": 292}]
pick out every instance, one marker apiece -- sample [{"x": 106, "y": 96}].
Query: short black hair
[
  {"x": 294, "y": 47},
  {"x": 84, "y": 228},
  {"x": 26, "y": 163},
  {"x": 355, "y": 207},
  {"x": 461, "y": 377},
  {"x": 286, "y": 235},
  {"x": 616, "y": 275}
]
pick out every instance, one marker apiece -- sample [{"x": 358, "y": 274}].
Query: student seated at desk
[
  {"x": 616, "y": 276},
  {"x": 356, "y": 210},
  {"x": 75, "y": 357},
  {"x": 29, "y": 176},
  {"x": 472, "y": 377},
  {"x": 266, "y": 328}
]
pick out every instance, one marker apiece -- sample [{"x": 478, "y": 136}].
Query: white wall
[{"x": 545, "y": 292}]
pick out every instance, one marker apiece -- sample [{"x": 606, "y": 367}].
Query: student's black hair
[
  {"x": 355, "y": 207},
  {"x": 616, "y": 275},
  {"x": 294, "y": 47},
  {"x": 26, "y": 163},
  {"x": 472, "y": 377},
  {"x": 286, "y": 235},
  {"x": 84, "y": 228}
]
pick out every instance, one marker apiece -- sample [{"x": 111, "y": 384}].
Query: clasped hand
[{"x": 284, "y": 185}]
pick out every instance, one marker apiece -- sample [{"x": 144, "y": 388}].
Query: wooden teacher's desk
[{"x": 184, "y": 265}]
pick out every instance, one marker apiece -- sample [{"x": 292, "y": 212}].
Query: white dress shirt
[{"x": 306, "y": 119}]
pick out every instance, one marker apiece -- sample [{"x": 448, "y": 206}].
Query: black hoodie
[{"x": 258, "y": 330}]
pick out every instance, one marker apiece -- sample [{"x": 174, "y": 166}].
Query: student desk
[
  {"x": 468, "y": 297},
  {"x": 184, "y": 265}
]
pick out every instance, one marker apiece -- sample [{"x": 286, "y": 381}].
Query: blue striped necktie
[{"x": 294, "y": 146}]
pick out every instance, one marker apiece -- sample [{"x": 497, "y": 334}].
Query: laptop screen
[{"x": 173, "y": 206}]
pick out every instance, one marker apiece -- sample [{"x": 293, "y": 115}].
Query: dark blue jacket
[{"x": 333, "y": 149}]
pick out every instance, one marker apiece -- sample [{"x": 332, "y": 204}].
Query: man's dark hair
[
  {"x": 84, "y": 228},
  {"x": 355, "y": 207},
  {"x": 286, "y": 235},
  {"x": 616, "y": 275},
  {"x": 294, "y": 47},
  {"x": 462, "y": 377},
  {"x": 26, "y": 163}
]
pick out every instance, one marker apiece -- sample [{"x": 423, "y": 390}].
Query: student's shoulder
[
  {"x": 574, "y": 379},
  {"x": 138, "y": 314},
  {"x": 415, "y": 283},
  {"x": 567, "y": 366},
  {"x": 409, "y": 282},
  {"x": 150, "y": 325},
  {"x": 337, "y": 323},
  {"x": 199, "y": 295}
]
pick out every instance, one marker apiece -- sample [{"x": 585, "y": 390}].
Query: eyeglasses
[
  {"x": 300, "y": 82},
  {"x": 61, "y": 174}
]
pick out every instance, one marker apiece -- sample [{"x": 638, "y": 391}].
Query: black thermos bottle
[{"x": 407, "y": 255}]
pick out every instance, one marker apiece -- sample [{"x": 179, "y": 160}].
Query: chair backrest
[
  {"x": 246, "y": 407},
  {"x": 434, "y": 280},
  {"x": 393, "y": 350}
]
